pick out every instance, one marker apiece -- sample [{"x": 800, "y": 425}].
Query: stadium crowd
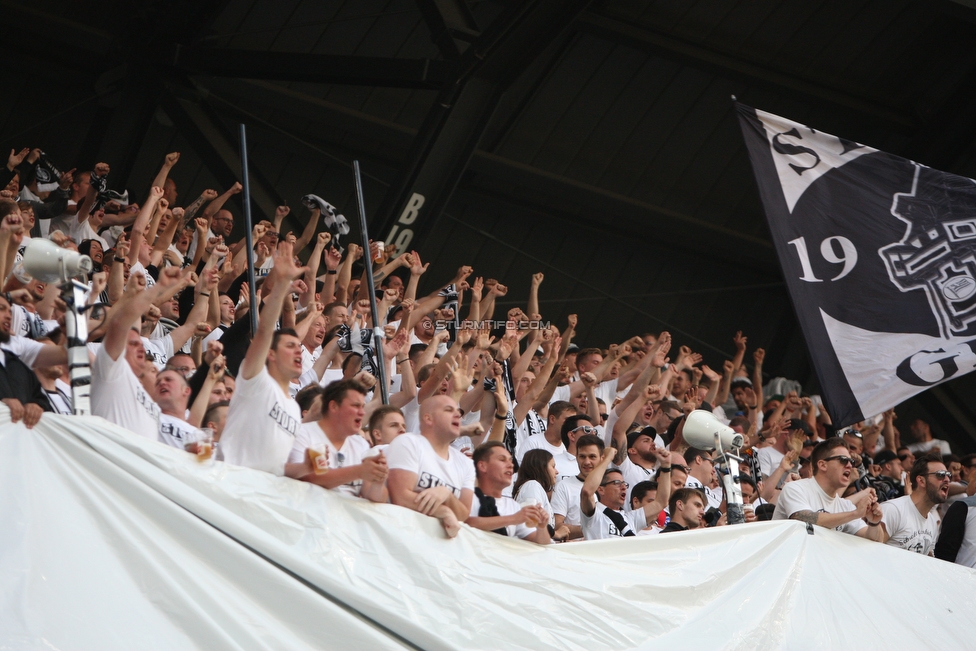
[{"x": 497, "y": 420}]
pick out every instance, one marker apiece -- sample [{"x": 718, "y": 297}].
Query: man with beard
[
  {"x": 912, "y": 521},
  {"x": 20, "y": 389},
  {"x": 641, "y": 460},
  {"x": 815, "y": 500}
]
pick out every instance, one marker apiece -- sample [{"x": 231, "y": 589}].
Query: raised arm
[
  {"x": 206, "y": 286},
  {"x": 142, "y": 221},
  {"x": 534, "y": 293},
  {"x": 280, "y": 278},
  {"x": 417, "y": 269},
  {"x": 593, "y": 480},
  {"x": 219, "y": 202},
  {"x": 168, "y": 163},
  {"x": 654, "y": 508},
  {"x": 132, "y": 305}
]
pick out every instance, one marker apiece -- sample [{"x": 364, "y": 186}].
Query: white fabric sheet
[{"x": 110, "y": 541}]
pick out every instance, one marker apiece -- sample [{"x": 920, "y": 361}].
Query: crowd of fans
[{"x": 497, "y": 420}]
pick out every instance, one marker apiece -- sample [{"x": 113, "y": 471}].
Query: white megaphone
[
  {"x": 701, "y": 428},
  {"x": 48, "y": 262}
]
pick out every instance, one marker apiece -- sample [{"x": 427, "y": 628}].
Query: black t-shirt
[{"x": 673, "y": 526}]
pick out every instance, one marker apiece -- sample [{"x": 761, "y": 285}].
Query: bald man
[{"x": 426, "y": 473}]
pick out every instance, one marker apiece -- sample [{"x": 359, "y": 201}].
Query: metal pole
[
  {"x": 76, "y": 323},
  {"x": 379, "y": 337},
  {"x": 251, "y": 280}
]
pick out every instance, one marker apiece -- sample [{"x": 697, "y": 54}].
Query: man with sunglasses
[
  {"x": 912, "y": 521},
  {"x": 602, "y": 498},
  {"x": 701, "y": 475},
  {"x": 815, "y": 500}
]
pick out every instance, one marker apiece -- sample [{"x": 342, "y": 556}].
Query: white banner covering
[{"x": 110, "y": 541}]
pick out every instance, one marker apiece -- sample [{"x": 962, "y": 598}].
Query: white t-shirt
[
  {"x": 920, "y": 448},
  {"x": 806, "y": 495},
  {"x": 118, "y": 396},
  {"x": 907, "y": 528},
  {"x": 606, "y": 391},
  {"x": 411, "y": 416},
  {"x": 159, "y": 350},
  {"x": 174, "y": 431},
  {"x": 566, "y": 499},
  {"x": 262, "y": 422},
  {"x": 350, "y": 454},
  {"x": 561, "y": 393},
  {"x": 506, "y": 506},
  {"x": 714, "y": 498},
  {"x": 413, "y": 452},
  {"x": 539, "y": 442},
  {"x": 598, "y": 526},
  {"x": 139, "y": 268},
  {"x": 769, "y": 460},
  {"x": 24, "y": 348},
  {"x": 532, "y": 491}
]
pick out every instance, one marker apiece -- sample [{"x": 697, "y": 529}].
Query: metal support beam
[
  {"x": 731, "y": 67},
  {"x": 519, "y": 181},
  {"x": 217, "y": 150},
  {"x": 448, "y": 20},
  {"x": 318, "y": 68},
  {"x": 455, "y": 123}
]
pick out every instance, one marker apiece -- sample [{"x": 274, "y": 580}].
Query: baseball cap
[
  {"x": 884, "y": 457},
  {"x": 637, "y": 433},
  {"x": 572, "y": 348},
  {"x": 797, "y": 423}
]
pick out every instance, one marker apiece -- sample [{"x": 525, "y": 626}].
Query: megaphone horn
[
  {"x": 48, "y": 262},
  {"x": 701, "y": 428}
]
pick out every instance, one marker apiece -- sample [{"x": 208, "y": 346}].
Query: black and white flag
[{"x": 879, "y": 254}]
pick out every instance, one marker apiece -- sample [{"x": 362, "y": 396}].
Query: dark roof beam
[
  {"x": 728, "y": 66},
  {"x": 516, "y": 174},
  {"x": 218, "y": 152},
  {"x": 449, "y": 21},
  {"x": 314, "y": 68}
]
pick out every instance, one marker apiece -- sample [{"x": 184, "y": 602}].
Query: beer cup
[{"x": 318, "y": 459}]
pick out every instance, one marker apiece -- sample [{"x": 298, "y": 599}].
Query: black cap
[
  {"x": 884, "y": 457},
  {"x": 798, "y": 423},
  {"x": 637, "y": 433}
]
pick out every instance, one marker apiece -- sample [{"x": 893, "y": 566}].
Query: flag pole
[
  {"x": 251, "y": 281},
  {"x": 379, "y": 337}
]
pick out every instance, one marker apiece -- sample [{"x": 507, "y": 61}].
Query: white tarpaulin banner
[{"x": 110, "y": 541}]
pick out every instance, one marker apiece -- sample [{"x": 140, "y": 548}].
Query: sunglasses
[
  {"x": 941, "y": 475},
  {"x": 586, "y": 429},
  {"x": 844, "y": 460},
  {"x": 616, "y": 482}
]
